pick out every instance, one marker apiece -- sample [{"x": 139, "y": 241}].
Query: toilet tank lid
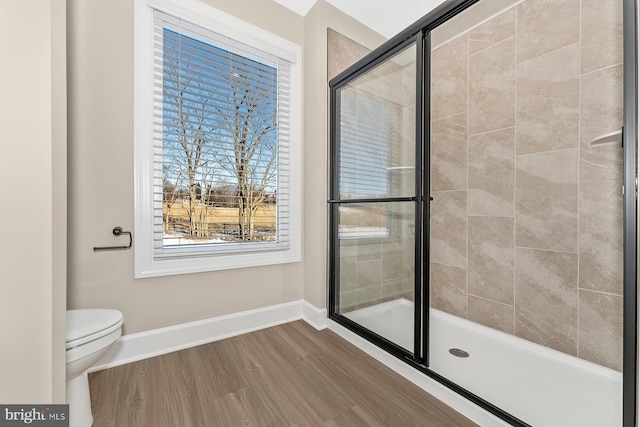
[{"x": 85, "y": 322}]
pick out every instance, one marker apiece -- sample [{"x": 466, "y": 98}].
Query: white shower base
[{"x": 543, "y": 387}]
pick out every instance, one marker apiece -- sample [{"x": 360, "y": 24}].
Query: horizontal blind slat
[{"x": 201, "y": 124}]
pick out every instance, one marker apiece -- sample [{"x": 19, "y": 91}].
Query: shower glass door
[
  {"x": 526, "y": 221},
  {"x": 374, "y": 200},
  {"x": 483, "y": 212}
]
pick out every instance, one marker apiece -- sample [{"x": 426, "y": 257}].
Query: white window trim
[{"x": 208, "y": 17}]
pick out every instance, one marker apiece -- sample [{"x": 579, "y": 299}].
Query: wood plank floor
[{"x": 288, "y": 375}]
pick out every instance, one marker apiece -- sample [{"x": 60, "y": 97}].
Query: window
[
  {"x": 369, "y": 140},
  {"x": 367, "y": 132},
  {"x": 217, "y": 137}
]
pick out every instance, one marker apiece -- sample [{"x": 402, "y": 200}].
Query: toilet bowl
[{"x": 90, "y": 334}]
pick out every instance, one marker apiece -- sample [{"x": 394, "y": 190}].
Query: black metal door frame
[
  {"x": 335, "y": 201},
  {"x": 419, "y": 32}
]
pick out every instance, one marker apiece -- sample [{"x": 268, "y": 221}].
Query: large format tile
[
  {"x": 400, "y": 77},
  {"x": 601, "y": 111},
  {"x": 368, "y": 296},
  {"x": 391, "y": 290},
  {"x": 600, "y": 328},
  {"x": 392, "y": 82},
  {"x": 368, "y": 249},
  {"x": 449, "y": 228},
  {"x": 492, "y": 88},
  {"x": 369, "y": 280},
  {"x": 392, "y": 262},
  {"x": 601, "y": 34},
  {"x": 348, "y": 279},
  {"x": 548, "y": 100},
  {"x": 342, "y": 52},
  {"x": 546, "y": 298},
  {"x": 601, "y": 236},
  {"x": 408, "y": 263},
  {"x": 491, "y": 258},
  {"x": 407, "y": 154},
  {"x": 449, "y": 72},
  {"x": 347, "y": 301},
  {"x": 546, "y": 25},
  {"x": 409, "y": 84},
  {"x": 493, "y": 31},
  {"x": 449, "y": 153},
  {"x": 363, "y": 51},
  {"x": 348, "y": 273},
  {"x": 370, "y": 85},
  {"x": 369, "y": 273},
  {"x": 492, "y": 173},
  {"x": 547, "y": 200},
  {"x": 490, "y": 313},
  {"x": 449, "y": 289}
]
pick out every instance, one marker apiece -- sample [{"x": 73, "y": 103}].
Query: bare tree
[
  {"x": 223, "y": 195},
  {"x": 253, "y": 159},
  {"x": 220, "y": 123},
  {"x": 207, "y": 176},
  {"x": 169, "y": 196},
  {"x": 188, "y": 129}
]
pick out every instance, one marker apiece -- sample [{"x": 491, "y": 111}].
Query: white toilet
[{"x": 90, "y": 334}]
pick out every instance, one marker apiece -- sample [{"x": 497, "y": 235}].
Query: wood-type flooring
[{"x": 287, "y": 375}]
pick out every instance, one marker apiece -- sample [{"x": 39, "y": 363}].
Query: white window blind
[
  {"x": 369, "y": 129},
  {"x": 221, "y": 144}
]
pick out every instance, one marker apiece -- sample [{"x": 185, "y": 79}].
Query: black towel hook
[{"x": 117, "y": 231}]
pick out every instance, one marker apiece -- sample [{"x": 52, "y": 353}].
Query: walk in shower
[{"x": 480, "y": 227}]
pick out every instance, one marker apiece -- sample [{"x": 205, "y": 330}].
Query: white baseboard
[
  {"x": 316, "y": 317},
  {"x": 143, "y": 345},
  {"x": 451, "y": 398}
]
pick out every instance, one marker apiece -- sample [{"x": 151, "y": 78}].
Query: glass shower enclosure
[
  {"x": 375, "y": 199},
  {"x": 483, "y": 205}
]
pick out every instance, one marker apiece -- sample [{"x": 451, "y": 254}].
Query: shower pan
[{"x": 483, "y": 205}]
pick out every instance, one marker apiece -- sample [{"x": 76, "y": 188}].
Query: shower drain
[{"x": 458, "y": 352}]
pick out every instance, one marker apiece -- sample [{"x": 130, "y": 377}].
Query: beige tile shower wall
[
  {"x": 526, "y": 222},
  {"x": 375, "y": 270}
]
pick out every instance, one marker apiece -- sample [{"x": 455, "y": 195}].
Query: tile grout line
[
  {"x": 613, "y": 294},
  {"x": 467, "y": 172},
  {"x": 491, "y": 131},
  {"x": 549, "y": 151},
  {"x": 551, "y": 52},
  {"x": 515, "y": 158},
  {"x": 579, "y": 181},
  {"x": 606, "y": 67},
  {"x": 547, "y": 250},
  {"x": 493, "y": 45},
  {"x": 491, "y": 300},
  {"x": 448, "y": 117}
]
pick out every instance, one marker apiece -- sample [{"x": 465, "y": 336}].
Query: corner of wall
[
  {"x": 316, "y": 139},
  {"x": 59, "y": 153}
]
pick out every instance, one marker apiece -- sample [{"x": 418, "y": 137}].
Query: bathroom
[{"x": 88, "y": 151}]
